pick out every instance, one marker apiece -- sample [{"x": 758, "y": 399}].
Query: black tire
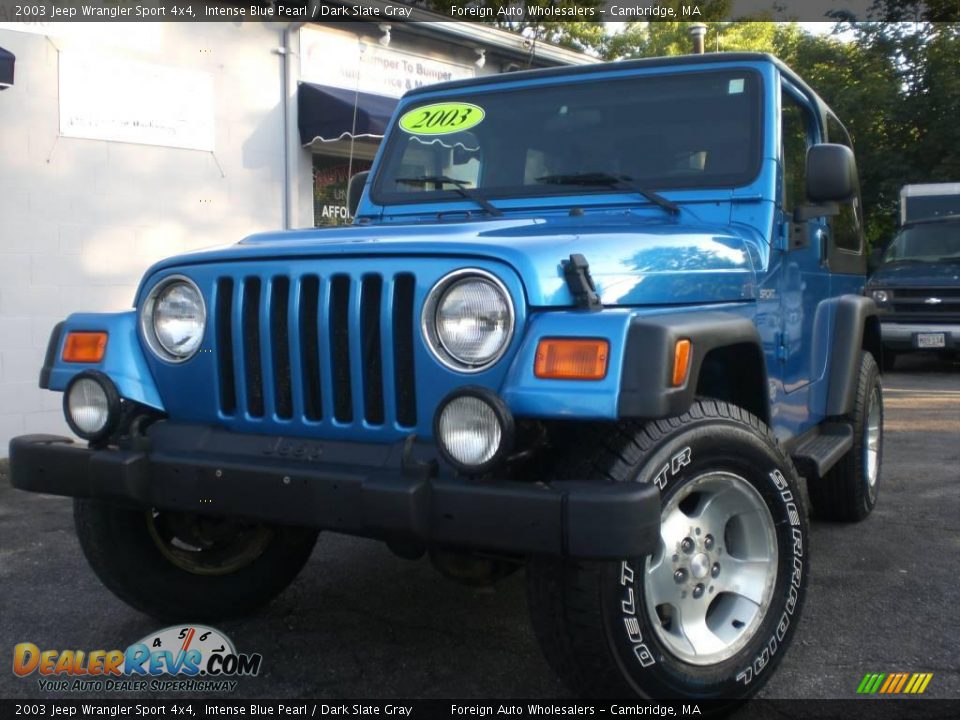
[
  {"x": 594, "y": 620},
  {"x": 123, "y": 547},
  {"x": 846, "y": 493}
]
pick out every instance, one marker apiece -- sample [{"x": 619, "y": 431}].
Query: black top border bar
[{"x": 39, "y": 12}]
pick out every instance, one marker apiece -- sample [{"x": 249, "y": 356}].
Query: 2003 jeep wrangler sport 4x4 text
[{"x": 588, "y": 320}]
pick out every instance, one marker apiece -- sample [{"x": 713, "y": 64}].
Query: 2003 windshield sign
[
  {"x": 441, "y": 118},
  {"x": 198, "y": 658}
]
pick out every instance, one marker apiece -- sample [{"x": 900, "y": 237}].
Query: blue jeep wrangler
[{"x": 591, "y": 321}]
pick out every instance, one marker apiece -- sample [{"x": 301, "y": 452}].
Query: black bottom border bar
[{"x": 872, "y": 708}]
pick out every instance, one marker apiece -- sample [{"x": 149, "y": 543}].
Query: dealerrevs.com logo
[{"x": 192, "y": 658}]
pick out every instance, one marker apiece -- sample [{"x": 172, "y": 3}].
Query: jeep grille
[{"x": 285, "y": 344}]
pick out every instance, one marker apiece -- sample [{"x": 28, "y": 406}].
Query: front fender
[
  {"x": 640, "y": 365},
  {"x": 646, "y": 389},
  {"x": 123, "y": 360},
  {"x": 530, "y": 396}
]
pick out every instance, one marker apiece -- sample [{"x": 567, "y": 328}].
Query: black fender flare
[
  {"x": 852, "y": 315},
  {"x": 646, "y": 390}
]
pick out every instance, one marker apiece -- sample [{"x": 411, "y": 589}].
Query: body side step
[{"x": 818, "y": 453}]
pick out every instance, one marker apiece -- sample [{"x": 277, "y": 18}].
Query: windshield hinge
[
  {"x": 782, "y": 232},
  {"x": 782, "y": 351},
  {"x": 576, "y": 271}
]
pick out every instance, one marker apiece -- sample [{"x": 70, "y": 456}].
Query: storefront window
[{"x": 330, "y": 178}]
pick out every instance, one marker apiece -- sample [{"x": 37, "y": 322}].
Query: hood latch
[{"x": 576, "y": 271}]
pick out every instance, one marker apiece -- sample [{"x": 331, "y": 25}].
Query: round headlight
[
  {"x": 173, "y": 319},
  {"x": 880, "y": 296},
  {"x": 473, "y": 429},
  {"x": 468, "y": 320},
  {"x": 91, "y": 405}
]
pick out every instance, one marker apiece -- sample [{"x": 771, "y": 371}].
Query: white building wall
[{"x": 81, "y": 220}]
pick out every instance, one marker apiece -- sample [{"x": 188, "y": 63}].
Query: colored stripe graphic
[
  {"x": 894, "y": 683},
  {"x": 870, "y": 683},
  {"x": 896, "y": 680},
  {"x": 903, "y": 681}
]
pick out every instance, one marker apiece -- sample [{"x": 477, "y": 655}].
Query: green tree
[
  {"x": 910, "y": 78},
  {"x": 661, "y": 38},
  {"x": 894, "y": 85}
]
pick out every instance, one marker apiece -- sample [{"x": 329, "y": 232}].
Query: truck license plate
[{"x": 931, "y": 340}]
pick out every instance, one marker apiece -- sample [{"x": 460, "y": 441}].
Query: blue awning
[
  {"x": 6, "y": 68},
  {"x": 326, "y": 114}
]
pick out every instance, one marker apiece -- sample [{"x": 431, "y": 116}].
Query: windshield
[
  {"x": 926, "y": 243},
  {"x": 690, "y": 130},
  {"x": 919, "y": 207}
]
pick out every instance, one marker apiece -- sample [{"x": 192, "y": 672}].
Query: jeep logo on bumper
[{"x": 300, "y": 449}]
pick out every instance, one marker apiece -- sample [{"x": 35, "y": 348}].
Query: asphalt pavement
[{"x": 884, "y": 594}]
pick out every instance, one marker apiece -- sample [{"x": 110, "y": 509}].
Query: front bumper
[
  {"x": 383, "y": 491},
  {"x": 903, "y": 336}
]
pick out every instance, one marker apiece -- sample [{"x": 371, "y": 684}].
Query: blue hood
[
  {"x": 634, "y": 260},
  {"x": 917, "y": 274}
]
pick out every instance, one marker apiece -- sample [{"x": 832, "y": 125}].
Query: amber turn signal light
[
  {"x": 569, "y": 359},
  {"x": 681, "y": 362},
  {"x": 85, "y": 347}
]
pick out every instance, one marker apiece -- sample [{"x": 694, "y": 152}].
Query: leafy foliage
[{"x": 895, "y": 85}]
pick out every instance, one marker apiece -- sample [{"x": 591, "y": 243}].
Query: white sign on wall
[
  {"x": 110, "y": 98},
  {"x": 341, "y": 60}
]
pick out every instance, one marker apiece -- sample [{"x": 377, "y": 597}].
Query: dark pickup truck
[{"x": 916, "y": 287}]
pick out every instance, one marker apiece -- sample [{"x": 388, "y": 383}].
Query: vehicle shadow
[{"x": 926, "y": 362}]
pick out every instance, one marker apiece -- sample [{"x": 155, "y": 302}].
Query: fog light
[
  {"x": 474, "y": 430},
  {"x": 91, "y": 405}
]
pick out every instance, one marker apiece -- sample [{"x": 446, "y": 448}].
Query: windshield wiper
[
  {"x": 614, "y": 181},
  {"x": 459, "y": 186}
]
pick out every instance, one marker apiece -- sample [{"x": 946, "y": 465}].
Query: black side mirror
[
  {"x": 355, "y": 191},
  {"x": 831, "y": 174},
  {"x": 874, "y": 259}
]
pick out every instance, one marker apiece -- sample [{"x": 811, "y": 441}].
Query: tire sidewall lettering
[
  {"x": 637, "y": 644},
  {"x": 628, "y": 604},
  {"x": 672, "y": 467},
  {"x": 760, "y": 661},
  {"x": 631, "y": 622}
]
